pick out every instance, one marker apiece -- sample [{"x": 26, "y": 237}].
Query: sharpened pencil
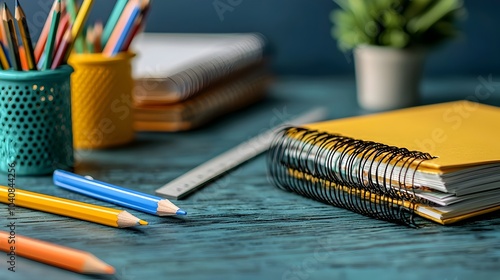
[
  {"x": 53, "y": 254},
  {"x": 71, "y": 208},
  {"x": 121, "y": 196},
  {"x": 25, "y": 36},
  {"x": 51, "y": 39},
  {"x": 3, "y": 34},
  {"x": 10, "y": 31}
]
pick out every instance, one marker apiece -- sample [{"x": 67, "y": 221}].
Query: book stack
[
  {"x": 186, "y": 80},
  {"x": 440, "y": 162}
]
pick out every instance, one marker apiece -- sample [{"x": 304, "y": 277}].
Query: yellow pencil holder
[{"x": 101, "y": 100}]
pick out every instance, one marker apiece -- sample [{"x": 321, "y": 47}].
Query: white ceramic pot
[{"x": 388, "y": 78}]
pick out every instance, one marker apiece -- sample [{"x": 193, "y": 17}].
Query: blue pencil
[
  {"x": 117, "y": 195},
  {"x": 126, "y": 30}
]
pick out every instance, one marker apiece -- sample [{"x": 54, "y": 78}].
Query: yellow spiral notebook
[{"x": 441, "y": 162}]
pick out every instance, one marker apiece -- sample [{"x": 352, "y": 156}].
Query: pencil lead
[
  {"x": 109, "y": 270},
  {"x": 143, "y": 223},
  {"x": 181, "y": 212},
  {"x": 17, "y": 3}
]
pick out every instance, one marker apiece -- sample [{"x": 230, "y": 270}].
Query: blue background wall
[{"x": 299, "y": 32}]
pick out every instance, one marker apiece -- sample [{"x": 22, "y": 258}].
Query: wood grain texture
[{"x": 240, "y": 226}]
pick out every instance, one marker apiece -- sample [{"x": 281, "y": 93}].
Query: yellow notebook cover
[
  {"x": 438, "y": 161},
  {"x": 459, "y": 134}
]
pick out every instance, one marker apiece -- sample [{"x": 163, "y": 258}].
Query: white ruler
[{"x": 219, "y": 165}]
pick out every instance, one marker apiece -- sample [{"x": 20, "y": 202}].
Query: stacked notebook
[
  {"x": 440, "y": 162},
  {"x": 197, "y": 78}
]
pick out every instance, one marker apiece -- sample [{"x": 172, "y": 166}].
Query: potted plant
[{"x": 390, "y": 39}]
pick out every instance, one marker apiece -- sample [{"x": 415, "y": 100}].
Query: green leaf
[{"x": 439, "y": 10}]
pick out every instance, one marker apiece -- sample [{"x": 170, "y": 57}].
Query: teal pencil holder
[{"x": 35, "y": 129}]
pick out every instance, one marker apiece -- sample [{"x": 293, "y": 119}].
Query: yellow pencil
[
  {"x": 70, "y": 208},
  {"x": 77, "y": 28}
]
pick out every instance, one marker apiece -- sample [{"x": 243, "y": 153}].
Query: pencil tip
[
  {"x": 181, "y": 212},
  {"x": 17, "y": 3},
  {"x": 109, "y": 270},
  {"x": 143, "y": 223}
]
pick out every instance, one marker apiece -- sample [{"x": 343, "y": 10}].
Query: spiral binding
[{"x": 369, "y": 178}]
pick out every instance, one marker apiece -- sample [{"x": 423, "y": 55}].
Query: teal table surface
[{"x": 242, "y": 227}]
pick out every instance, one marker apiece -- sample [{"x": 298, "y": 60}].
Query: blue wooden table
[{"x": 240, "y": 226}]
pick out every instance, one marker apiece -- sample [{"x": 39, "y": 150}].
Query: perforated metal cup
[
  {"x": 101, "y": 100},
  {"x": 35, "y": 127}
]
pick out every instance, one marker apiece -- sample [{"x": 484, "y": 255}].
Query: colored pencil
[
  {"x": 42, "y": 39},
  {"x": 51, "y": 39},
  {"x": 3, "y": 35},
  {"x": 132, "y": 7},
  {"x": 62, "y": 50},
  {"x": 79, "y": 41},
  {"x": 121, "y": 196},
  {"x": 90, "y": 40},
  {"x": 98, "y": 29},
  {"x": 138, "y": 25},
  {"x": 11, "y": 38},
  {"x": 64, "y": 24},
  {"x": 70, "y": 208},
  {"x": 133, "y": 19},
  {"x": 52, "y": 254},
  {"x": 3, "y": 57},
  {"x": 113, "y": 20},
  {"x": 22, "y": 58},
  {"x": 78, "y": 25},
  {"x": 72, "y": 10},
  {"x": 25, "y": 36}
]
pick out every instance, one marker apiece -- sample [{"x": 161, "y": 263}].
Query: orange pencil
[
  {"x": 120, "y": 25},
  {"x": 3, "y": 36},
  {"x": 22, "y": 56},
  {"x": 52, "y": 254}
]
